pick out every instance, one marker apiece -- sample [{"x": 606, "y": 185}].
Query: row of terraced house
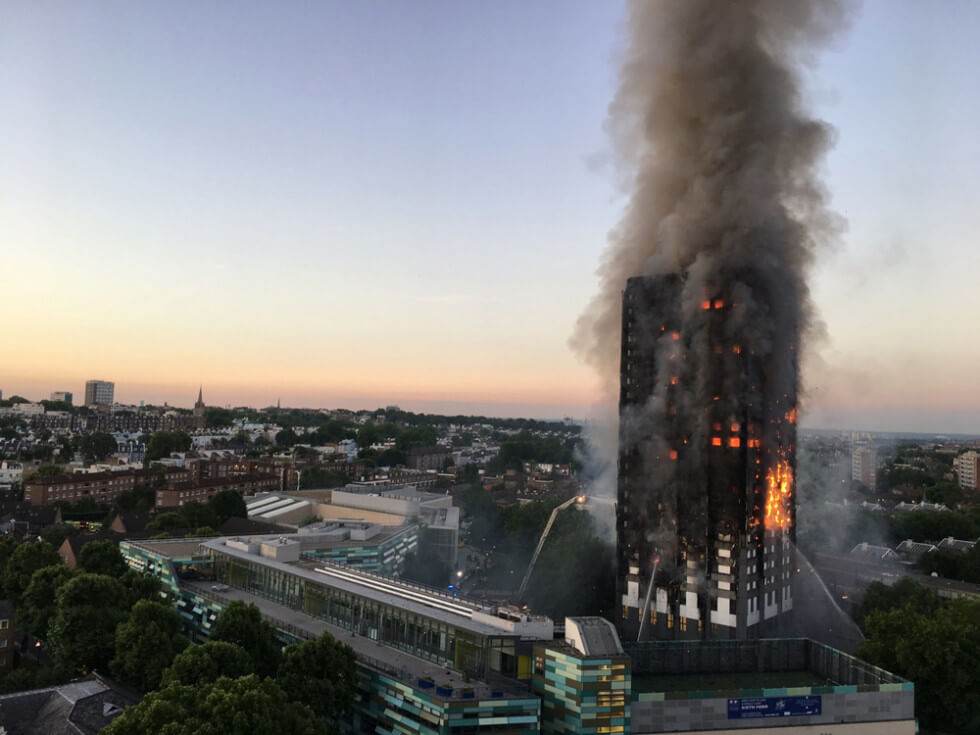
[{"x": 179, "y": 486}]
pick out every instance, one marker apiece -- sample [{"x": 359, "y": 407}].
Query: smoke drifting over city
[{"x": 719, "y": 157}]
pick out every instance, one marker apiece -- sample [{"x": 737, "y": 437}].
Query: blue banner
[{"x": 773, "y": 707}]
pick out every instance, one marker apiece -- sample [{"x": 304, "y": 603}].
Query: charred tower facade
[{"x": 705, "y": 513}]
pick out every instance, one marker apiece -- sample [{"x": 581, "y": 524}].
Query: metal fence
[{"x": 672, "y": 658}]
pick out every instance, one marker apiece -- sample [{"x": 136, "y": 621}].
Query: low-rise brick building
[
  {"x": 184, "y": 492},
  {"x": 102, "y": 487}
]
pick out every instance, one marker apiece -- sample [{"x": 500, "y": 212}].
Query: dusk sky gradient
[{"x": 373, "y": 202}]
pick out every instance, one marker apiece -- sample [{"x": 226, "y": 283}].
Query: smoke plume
[{"x": 719, "y": 158}]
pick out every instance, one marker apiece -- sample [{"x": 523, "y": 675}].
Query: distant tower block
[
  {"x": 706, "y": 465},
  {"x": 99, "y": 392}
]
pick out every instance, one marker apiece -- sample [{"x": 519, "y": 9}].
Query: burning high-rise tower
[
  {"x": 704, "y": 298},
  {"x": 705, "y": 511}
]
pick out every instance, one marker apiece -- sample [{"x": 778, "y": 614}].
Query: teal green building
[{"x": 583, "y": 681}]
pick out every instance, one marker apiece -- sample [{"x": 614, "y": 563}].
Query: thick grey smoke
[{"x": 719, "y": 158}]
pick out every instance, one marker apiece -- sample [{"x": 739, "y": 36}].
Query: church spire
[{"x": 199, "y": 406}]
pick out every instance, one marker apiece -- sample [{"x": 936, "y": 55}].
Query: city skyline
[{"x": 315, "y": 206}]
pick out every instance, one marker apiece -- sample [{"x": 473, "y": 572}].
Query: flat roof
[
  {"x": 395, "y": 663},
  {"x": 171, "y": 548},
  {"x": 385, "y": 533},
  {"x": 728, "y": 681},
  {"x": 414, "y": 599}
]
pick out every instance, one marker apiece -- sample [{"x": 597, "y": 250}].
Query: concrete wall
[
  {"x": 376, "y": 503},
  {"x": 885, "y": 709},
  {"x": 870, "y": 728},
  {"x": 337, "y": 512}
]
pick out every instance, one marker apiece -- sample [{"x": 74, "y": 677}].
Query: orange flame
[{"x": 779, "y": 481}]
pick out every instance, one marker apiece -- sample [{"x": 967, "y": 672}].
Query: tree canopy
[
  {"x": 243, "y": 625},
  {"x": 321, "y": 674},
  {"x": 102, "y": 557},
  {"x": 82, "y": 632},
  {"x": 97, "y": 446},
  {"x": 146, "y": 644},
  {"x": 228, "y": 504},
  {"x": 939, "y": 652},
  {"x": 38, "y": 603},
  {"x": 163, "y": 443},
  {"x": 203, "y": 664},
  {"x": 244, "y": 706},
  {"x": 26, "y": 559}
]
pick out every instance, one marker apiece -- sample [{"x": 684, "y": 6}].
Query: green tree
[
  {"x": 939, "y": 653},
  {"x": 82, "y": 632},
  {"x": 163, "y": 443},
  {"x": 141, "y": 586},
  {"x": 167, "y": 522},
  {"x": 228, "y": 504},
  {"x": 245, "y": 706},
  {"x": 66, "y": 453},
  {"x": 8, "y": 544},
  {"x": 29, "y": 674},
  {"x": 206, "y": 531},
  {"x": 321, "y": 674},
  {"x": 332, "y": 432},
  {"x": 286, "y": 438},
  {"x": 204, "y": 664},
  {"x": 138, "y": 500},
  {"x": 906, "y": 592},
  {"x": 146, "y": 644},
  {"x": 318, "y": 477},
  {"x": 49, "y": 470},
  {"x": 218, "y": 418},
  {"x": 953, "y": 564},
  {"x": 96, "y": 447},
  {"x": 368, "y": 434},
  {"x": 39, "y": 601},
  {"x": 102, "y": 557},
  {"x": 392, "y": 458},
  {"x": 57, "y": 533},
  {"x": 417, "y": 436},
  {"x": 471, "y": 474},
  {"x": 243, "y": 625},
  {"x": 197, "y": 514},
  {"x": 26, "y": 559}
]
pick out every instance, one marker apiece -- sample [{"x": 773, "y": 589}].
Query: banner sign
[{"x": 739, "y": 709}]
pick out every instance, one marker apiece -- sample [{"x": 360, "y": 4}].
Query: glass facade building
[
  {"x": 384, "y": 557},
  {"x": 441, "y": 636}
]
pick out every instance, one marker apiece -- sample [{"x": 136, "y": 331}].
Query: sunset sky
[{"x": 364, "y": 203}]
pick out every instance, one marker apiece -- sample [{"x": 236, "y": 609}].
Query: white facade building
[
  {"x": 968, "y": 470},
  {"x": 864, "y": 465}
]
